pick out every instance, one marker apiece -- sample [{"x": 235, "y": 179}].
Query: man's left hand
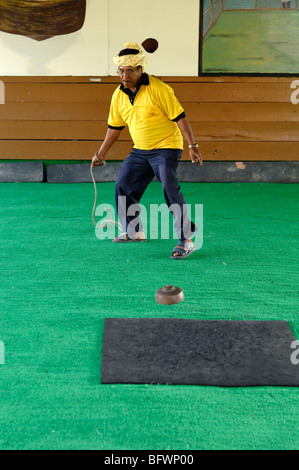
[{"x": 195, "y": 156}]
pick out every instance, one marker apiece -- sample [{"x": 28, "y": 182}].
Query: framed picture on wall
[{"x": 250, "y": 36}]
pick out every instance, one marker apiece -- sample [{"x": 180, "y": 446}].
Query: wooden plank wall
[{"x": 233, "y": 118}]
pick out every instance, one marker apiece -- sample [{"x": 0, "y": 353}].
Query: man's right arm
[{"x": 111, "y": 137}]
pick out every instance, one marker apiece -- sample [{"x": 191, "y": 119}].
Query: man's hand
[
  {"x": 97, "y": 161},
  {"x": 195, "y": 155}
]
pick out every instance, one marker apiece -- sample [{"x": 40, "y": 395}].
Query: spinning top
[
  {"x": 169, "y": 295},
  {"x": 150, "y": 45}
]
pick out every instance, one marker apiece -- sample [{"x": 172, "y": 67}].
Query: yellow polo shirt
[{"x": 150, "y": 117}]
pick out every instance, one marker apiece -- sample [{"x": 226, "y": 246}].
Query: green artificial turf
[
  {"x": 58, "y": 283},
  {"x": 253, "y": 42}
]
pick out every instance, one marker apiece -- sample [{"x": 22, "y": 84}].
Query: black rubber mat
[{"x": 198, "y": 352}]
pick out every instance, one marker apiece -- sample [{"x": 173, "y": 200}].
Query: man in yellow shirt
[{"x": 157, "y": 124}]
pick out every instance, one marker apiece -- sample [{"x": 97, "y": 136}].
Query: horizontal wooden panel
[
  {"x": 58, "y": 92},
  {"x": 246, "y": 131},
  {"x": 212, "y": 151},
  {"x": 57, "y": 150},
  {"x": 244, "y": 112},
  {"x": 220, "y": 78},
  {"x": 237, "y": 92},
  {"x": 233, "y": 118},
  {"x": 203, "y": 131},
  {"x": 51, "y": 130},
  {"x": 59, "y": 79},
  {"x": 54, "y": 111},
  {"x": 193, "y": 92}
]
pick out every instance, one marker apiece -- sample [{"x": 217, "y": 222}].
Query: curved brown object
[
  {"x": 42, "y": 19},
  {"x": 150, "y": 45},
  {"x": 169, "y": 295}
]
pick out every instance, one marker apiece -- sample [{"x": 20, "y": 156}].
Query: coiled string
[{"x": 106, "y": 222}]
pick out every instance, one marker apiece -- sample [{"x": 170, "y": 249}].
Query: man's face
[{"x": 130, "y": 76}]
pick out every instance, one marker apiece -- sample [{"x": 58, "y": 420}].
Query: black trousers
[{"x": 135, "y": 174}]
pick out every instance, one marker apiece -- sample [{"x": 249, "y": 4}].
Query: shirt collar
[{"x": 144, "y": 80}]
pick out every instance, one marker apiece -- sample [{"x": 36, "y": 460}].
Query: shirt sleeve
[
  {"x": 182, "y": 115},
  {"x": 168, "y": 102},
  {"x": 117, "y": 128},
  {"x": 115, "y": 120}
]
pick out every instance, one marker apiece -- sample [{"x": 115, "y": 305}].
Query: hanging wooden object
[{"x": 42, "y": 19}]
